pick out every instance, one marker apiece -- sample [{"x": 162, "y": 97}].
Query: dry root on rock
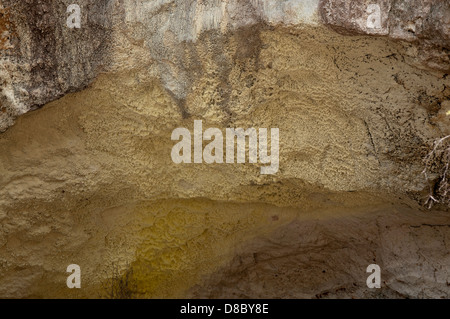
[{"x": 437, "y": 172}]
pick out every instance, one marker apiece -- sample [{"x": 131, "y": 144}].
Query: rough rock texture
[
  {"x": 88, "y": 179},
  {"x": 426, "y": 23},
  {"x": 41, "y": 58},
  {"x": 327, "y": 258}
]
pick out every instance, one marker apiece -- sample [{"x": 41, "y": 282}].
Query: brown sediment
[
  {"x": 88, "y": 179},
  {"x": 5, "y": 28}
]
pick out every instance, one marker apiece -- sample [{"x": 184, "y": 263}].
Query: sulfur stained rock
[{"x": 88, "y": 177}]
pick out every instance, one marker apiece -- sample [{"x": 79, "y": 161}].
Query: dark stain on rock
[
  {"x": 59, "y": 60},
  {"x": 5, "y": 29}
]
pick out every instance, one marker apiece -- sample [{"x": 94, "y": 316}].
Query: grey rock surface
[
  {"x": 43, "y": 59},
  {"x": 88, "y": 176},
  {"x": 425, "y": 23}
]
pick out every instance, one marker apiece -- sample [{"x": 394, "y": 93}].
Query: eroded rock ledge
[
  {"x": 42, "y": 59},
  {"x": 327, "y": 258}
]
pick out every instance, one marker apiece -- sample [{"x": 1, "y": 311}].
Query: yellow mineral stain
[{"x": 89, "y": 179}]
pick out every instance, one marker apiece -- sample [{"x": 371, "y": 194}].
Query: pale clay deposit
[{"x": 86, "y": 175}]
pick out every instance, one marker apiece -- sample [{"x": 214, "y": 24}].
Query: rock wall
[
  {"x": 425, "y": 23},
  {"x": 42, "y": 59},
  {"x": 87, "y": 178},
  {"x": 326, "y": 258}
]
